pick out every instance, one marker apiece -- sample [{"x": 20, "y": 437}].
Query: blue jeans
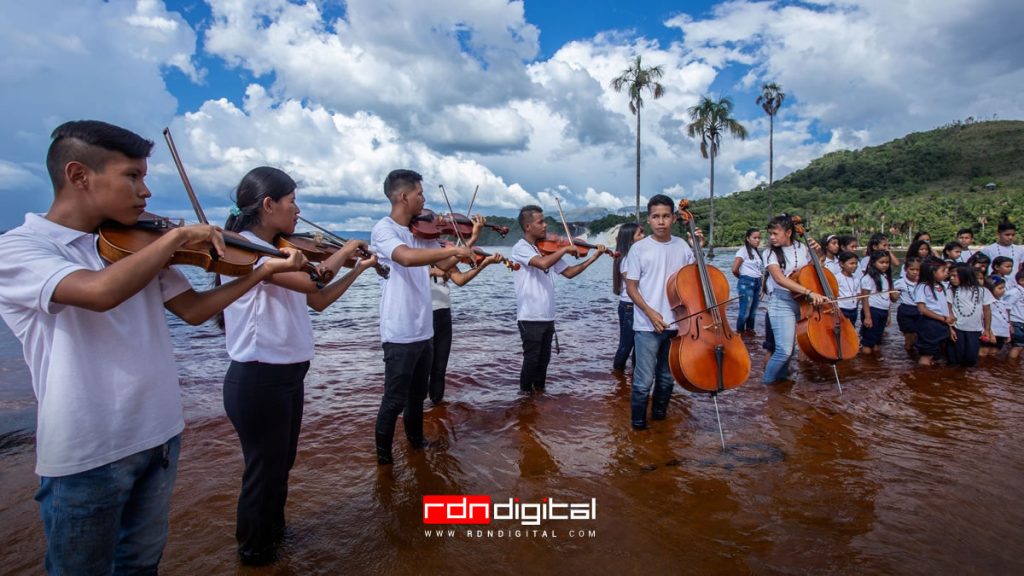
[
  {"x": 783, "y": 312},
  {"x": 111, "y": 519},
  {"x": 651, "y": 368},
  {"x": 625, "y": 337},
  {"x": 749, "y": 290}
]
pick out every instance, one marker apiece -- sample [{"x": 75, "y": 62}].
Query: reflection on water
[{"x": 904, "y": 472}]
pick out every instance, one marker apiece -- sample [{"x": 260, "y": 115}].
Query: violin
[
  {"x": 337, "y": 241},
  {"x": 479, "y": 255},
  {"x": 117, "y": 241},
  {"x": 430, "y": 225},
  {"x": 706, "y": 356},
  {"x": 822, "y": 332},
  {"x": 552, "y": 243}
]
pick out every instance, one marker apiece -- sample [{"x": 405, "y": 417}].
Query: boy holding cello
[
  {"x": 647, "y": 269},
  {"x": 535, "y": 294},
  {"x": 97, "y": 345}
]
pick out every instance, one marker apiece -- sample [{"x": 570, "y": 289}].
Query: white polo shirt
[
  {"x": 269, "y": 323},
  {"x": 877, "y": 299},
  {"x": 406, "y": 314},
  {"x": 651, "y": 263},
  {"x": 105, "y": 382},
  {"x": 849, "y": 286},
  {"x": 907, "y": 291},
  {"x": 535, "y": 288},
  {"x": 1013, "y": 251},
  {"x": 934, "y": 300}
]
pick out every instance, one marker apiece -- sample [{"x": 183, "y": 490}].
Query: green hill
[{"x": 935, "y": 181}]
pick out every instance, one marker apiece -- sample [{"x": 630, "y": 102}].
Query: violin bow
[
  {"x": 564, "y": 223},
  {"x": 469, "y": 212},
  {"x": 184, "y": 177},
  {"x": 722, "y": 303},
  {"x": 455, "y": 225},
  {"x": 382, "y": 269}
]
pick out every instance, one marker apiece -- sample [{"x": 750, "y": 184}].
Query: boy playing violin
[
  {"x": 98, "y": 348},
  {"x": 406, "y": 320},
  {"x": 535, "y": 295}
]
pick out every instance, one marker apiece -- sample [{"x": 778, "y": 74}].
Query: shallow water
[{"x": 907, "y": 471}]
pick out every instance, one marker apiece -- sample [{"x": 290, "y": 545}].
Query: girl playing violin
[
  {"x": 270, "y": 342},
  {"x": 100, "y": 354},
  {"x": 629, "y": 233},
  {"x": 535, "y": 295},
  {"x": 441, "y": 303},
  {"x": 786, "y": 256}
]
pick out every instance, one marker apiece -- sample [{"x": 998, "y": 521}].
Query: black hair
[
  {"x": 846, "y": 256},
  {"x": 965, "y": 275},
  {"x": 258, "y": 184},
  {"x": 399, "y": 178},
  {"x": 828, "y": 239},
  {"x": 875, "y": 274},
  {"x": 951, "y": 246},
  {"x": 921, "y": 234},
  {"x": 660, "y": 200},
  {"x": 92, "y": 143},
  {"x": 965, "y": 231},
  {"x": 1019, "y": 276},
  {"x": 875, "y": 241},
  {"x": 746, "y": 243},
  {"x": 912, "y": 260},
  {"x": 1005, "y": 225},
  {"x": 1000, "y": 260},
  {"x": 915, "y": 247},
  {"x": 623, "y": 242},
  {"x": 784, "y": 222},
  {"x": 527, "y": 212},
  {"x": 928, "y": 268},
  {"x": 993, "y": 281},
  {"x": 979, "y": 257},
  {"x": 845, "y": 241}
]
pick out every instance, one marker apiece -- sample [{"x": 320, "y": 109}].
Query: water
[{"x": 908, "y": 471}]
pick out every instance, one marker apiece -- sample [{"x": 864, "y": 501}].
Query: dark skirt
[
  {"x": 931, "y": 334},
  {"x": 873, "y": 336},
  {"x": 907, "y": 317},
  {"x": 851, "y": 315},
  {"x": 965, "y": 350}
]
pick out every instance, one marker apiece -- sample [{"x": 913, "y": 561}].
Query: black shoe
[
  {"x": 257, "y": 557},
  {"x": 658, "y": 415},
  {"x": 419, "y": 443},
  {"x": 639, "y": 426},
  {"x": 384, "y": 455}
]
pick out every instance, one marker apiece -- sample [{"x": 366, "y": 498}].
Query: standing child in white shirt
[
  {"x": 971, "y": 305},
  {"x": 848, "y": 280},
  {"x": 1015, "y": 302},
  {"x": 876, "y": 284},
  {"x": 1000, "y": 317},
  {"x": 748, "y": 268},
  {"x": 936, "y": 321},
  {"x": 907, "y": 314}
]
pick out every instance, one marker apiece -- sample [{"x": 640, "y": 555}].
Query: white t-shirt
[
  {"x": 405, "y": 307},
  {"x": 752, "y": 267},
  {"x": 965, "y": 255},
  {"x": 1000, "y": 318},
  {"x": 269, "y": 323},
  {"x": 877, "y": 299},
  {"x": 797, "y": 256},
  {"x": 623, "y": 294},
  {"x": 535, "y": 288},
  {"x": 1014, "y": 299},
  {"x": 832, "y": 264},
  {"x": 934, "y": 300},
  {"x": 440, "y": 293},
  {"x": 849, "y": 286},
  {"x": 907, "y": 290},
  {"x": 105, "y": 382},
  {"x": 969, "y": 309},
  {"x": 651, "y": 263},
  {"x": 1014, "y": 251}
]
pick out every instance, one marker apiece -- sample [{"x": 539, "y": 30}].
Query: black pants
[
  {"x": 264, "y": 403},
  {"x": 537, "y": 338},
  {"x": 442, "y": 349},
  {"x": 406, "y": 374}
]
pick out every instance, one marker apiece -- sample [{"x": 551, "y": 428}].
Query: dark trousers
[
  {"x": 965, "y": 350},
  {"x": 537, "y": 338},
  {"x": 406, "y": 375},
  {"x": 851, "y": 315},
  {"x": 264, "y": 403},
  {"x": 442, "y": 349},
  {"x": 626, "y": 340},
  {"x": 879, "y": 318}
]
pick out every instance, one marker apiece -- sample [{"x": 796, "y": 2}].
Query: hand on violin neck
[
  {"x": 198, "y": 235},
  {"x": 296, "y": 261}
]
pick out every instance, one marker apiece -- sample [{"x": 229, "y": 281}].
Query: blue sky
[{"x": 509, "y": 96}]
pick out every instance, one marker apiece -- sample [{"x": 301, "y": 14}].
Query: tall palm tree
[
  {"x": 771, "y": 100},
  {"x": 711, "y": 119},
  {"x": 637, "y": 79}
]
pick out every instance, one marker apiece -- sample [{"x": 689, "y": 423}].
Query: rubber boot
[{"x": 383, "y": 448}]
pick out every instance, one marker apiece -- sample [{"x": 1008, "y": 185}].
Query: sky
[{"x": 509, "y": 96}]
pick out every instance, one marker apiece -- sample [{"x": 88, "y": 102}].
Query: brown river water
[{"x": 908, "y": 471}]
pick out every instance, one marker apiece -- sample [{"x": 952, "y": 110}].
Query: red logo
[{"x": 456, "y": 509}]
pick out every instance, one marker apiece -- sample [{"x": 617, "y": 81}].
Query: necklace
[{"x": 956, "y": 304}]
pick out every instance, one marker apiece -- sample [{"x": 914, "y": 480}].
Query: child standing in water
[
  {"x": 876, "y": 284},
  {"x": 849, "y": 285},
  {"x": 629, "y": 233},
  {"x": 748, "y": 267},
  {"x": 907, "y": 314},
  {"x": 1015, "y": 302},
  {"x": 1000, "y": 317},
  {"x": 971, "y": 305},
  {"x": 935, "y": 324}
]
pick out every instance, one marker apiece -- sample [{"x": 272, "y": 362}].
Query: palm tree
[
  {"x": 637, "y": 79},
  {"x": 710, "y": 120},
  {"x": 771, "y": 100}
]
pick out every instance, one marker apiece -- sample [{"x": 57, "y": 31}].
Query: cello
[
  {"x": 706, "y": 356},
  {"x": 822, "y": 332}
]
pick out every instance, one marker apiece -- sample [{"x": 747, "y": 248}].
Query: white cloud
[{"x": 602, "y": 200}]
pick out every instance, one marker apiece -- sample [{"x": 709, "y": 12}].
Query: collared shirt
[
  {"x": 907, "y": 290},
  {"x": 877, "y": 298},
  {"x": 535, "y": 288},
  {"x": 651, "y": 263},
  {"x": 933, "y": 299},
  {"x": 405, "y": 310},
  {"x": 269, "y": 323},
  {"x": 105, "y": 382},
  {"x": 849, "y": 286}
]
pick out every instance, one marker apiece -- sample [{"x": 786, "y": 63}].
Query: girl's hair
[
  {"x": 876, "y": 240},
  {"x": 950, "y": 246},
  {"x": 915, "y": 247},
  {"x": 751, "y": 250},
  {"x": 846, "y": 256},
  {"x": 845, "y": 241},
  {"x": 979, "y": 257},
  {"x": 921, "y": 234},
  {"x": 1000, "y": 260},
  {"x": 876, "y": 274},
  {"x": 259, "y": 183},
  {"x": 623, "y": 242},
  {"x": 911, "y": 260},
  {"x": 928, "y": 268},
  {"x": 825, "y": 248},
  {"x": 965, "y": 274},
  {"x": 784, "y": 223},
  {"x": 993, "y": 281}
]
